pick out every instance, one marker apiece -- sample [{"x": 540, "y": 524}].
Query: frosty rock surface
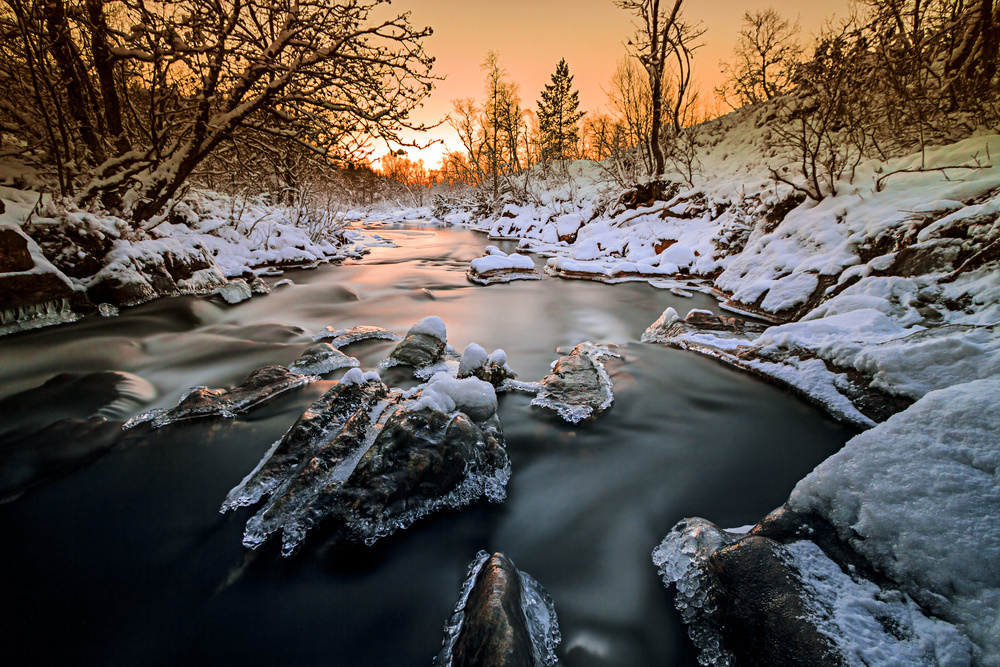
[
  {"x": 339, "y": 338},
  {"x": 320, "y": 359},
  {"x": 376, "y": 460},
  {"x": 578, "y": 386}
]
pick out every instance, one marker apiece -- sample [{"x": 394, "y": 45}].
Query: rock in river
[
  {"x": 260, "y": 386},
  {"x": 504, "y": 618},
  {"x": 377, "y": 459},
  {"x": 578, "y": 386},
  {"x": 423, "y": 346}
]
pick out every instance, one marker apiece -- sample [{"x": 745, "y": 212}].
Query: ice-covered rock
[
  {"x": 670, "y": 326},
  {"x": 503, "y": 617},
  {"x": 339, "y": 338},
  {"x": 260, "y": 386},
  {"x": 235, "y": 291},
  {"x": 320, "y": 359},
  {"x": 33, "y": 292},
  {"x": 423, "y": 346},
  {"x": 377, "y": 460},
  {"x": 579, "y": 386}
]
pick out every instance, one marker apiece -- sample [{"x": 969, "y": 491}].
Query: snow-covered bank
[
  {"x": 887, "y": 551},
  {"x": 58, "y": 262},
  {"x": 892, "y": 284}
]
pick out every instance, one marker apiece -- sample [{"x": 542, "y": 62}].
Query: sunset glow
[{"x": 532, "y": 36}]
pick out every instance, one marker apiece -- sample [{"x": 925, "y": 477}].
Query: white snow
[
  {"x": 431, "y": 325},
  {"x": 919, "y": 497},
  {"x": 358, "y": 376},
  {"x": 472, "y": 396},
  {"x": 473, "y": 358}
]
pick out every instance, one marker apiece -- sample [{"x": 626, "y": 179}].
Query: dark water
[{"x": 120, "y": 556}]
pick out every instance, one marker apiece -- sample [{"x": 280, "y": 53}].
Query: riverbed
[{"x": 121, "y": 557}]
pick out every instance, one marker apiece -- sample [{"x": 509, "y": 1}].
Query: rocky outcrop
[
  {"x": 503, "y": 618},
  {"x": 260, "y": 386},
  {"x": 885, "y": 554},
  {"x": 33, "y": 292},
  {"x": 142, "y": 271}
]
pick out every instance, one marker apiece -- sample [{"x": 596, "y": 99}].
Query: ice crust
[
  {"x": 339, "y": 338},
  {"x": 304, "y": 471},
  {"x": 681, "y": 559},
  {"x": 855, "y": 615},
  {"x": 536, "y": 604},
  {"x": 320, "y": 359}
]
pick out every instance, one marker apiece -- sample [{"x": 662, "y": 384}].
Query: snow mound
[
  {"x": 919, "y": 497},
  {"x": 431, "y": 325}
]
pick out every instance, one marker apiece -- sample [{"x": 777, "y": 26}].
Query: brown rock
[
  {"x": 14, "y": 255},
  {"x": 495, "y": 632}
]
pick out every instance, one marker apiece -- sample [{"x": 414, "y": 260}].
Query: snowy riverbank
[{"x": 881, "y": 304}]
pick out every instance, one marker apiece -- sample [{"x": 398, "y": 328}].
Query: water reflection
[{"x": 128, "y": 561}]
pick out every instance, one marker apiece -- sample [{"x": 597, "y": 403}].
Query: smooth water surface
[{"x": 120, "y": 557}]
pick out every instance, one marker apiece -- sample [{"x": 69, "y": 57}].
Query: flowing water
[{"x": 117, "y": 554}]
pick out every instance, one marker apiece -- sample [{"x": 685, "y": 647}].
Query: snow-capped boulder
[{"x": 423, "y": 346}]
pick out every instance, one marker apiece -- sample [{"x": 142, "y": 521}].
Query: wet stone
[{"x": 261, "y": 385}]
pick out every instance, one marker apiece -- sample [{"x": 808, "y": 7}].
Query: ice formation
[
  {"x": 260, "y": 386},
  {"x": 320, "y": 359},
  {"x": 339, "y": 338},
  {"x": 235, "y": 291},
  {"x": 377, "y": 459}
]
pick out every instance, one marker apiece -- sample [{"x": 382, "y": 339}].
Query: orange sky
[{"x": 532, "y": 35}]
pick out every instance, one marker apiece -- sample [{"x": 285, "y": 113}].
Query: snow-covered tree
[
  {"x": 558, "y": 115},
  {"x": 126, "y": 99}
]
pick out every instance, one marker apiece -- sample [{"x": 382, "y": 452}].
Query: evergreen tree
[{"x": 558, "y": 117}]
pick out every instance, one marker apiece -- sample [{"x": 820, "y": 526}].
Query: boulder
[
  {"x": 377, "y": 460},
  {"x": 495, "y": 631},
  {"x": 339, "y": 338}
]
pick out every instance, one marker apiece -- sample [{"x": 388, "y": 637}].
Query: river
[{"x": 120, "y": 556}]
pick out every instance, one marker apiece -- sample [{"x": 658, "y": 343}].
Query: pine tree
[{"x": 558, "y": 117}]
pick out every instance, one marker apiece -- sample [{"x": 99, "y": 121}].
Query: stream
[{"x": 121, "y": 557}]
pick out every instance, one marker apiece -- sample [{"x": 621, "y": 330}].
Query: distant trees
[
  {"x": 765, "y": 55},
  {"x": 495, "y": 134},
  {"x": 123, "y": 101},
  {"x": 559, "y": 115}
]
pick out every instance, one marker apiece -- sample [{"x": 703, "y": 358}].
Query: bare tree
[
  {"x": 663, "y": 43},
  {"x": 765, "y": 55},
  {"x": 132, "y": 96}
]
